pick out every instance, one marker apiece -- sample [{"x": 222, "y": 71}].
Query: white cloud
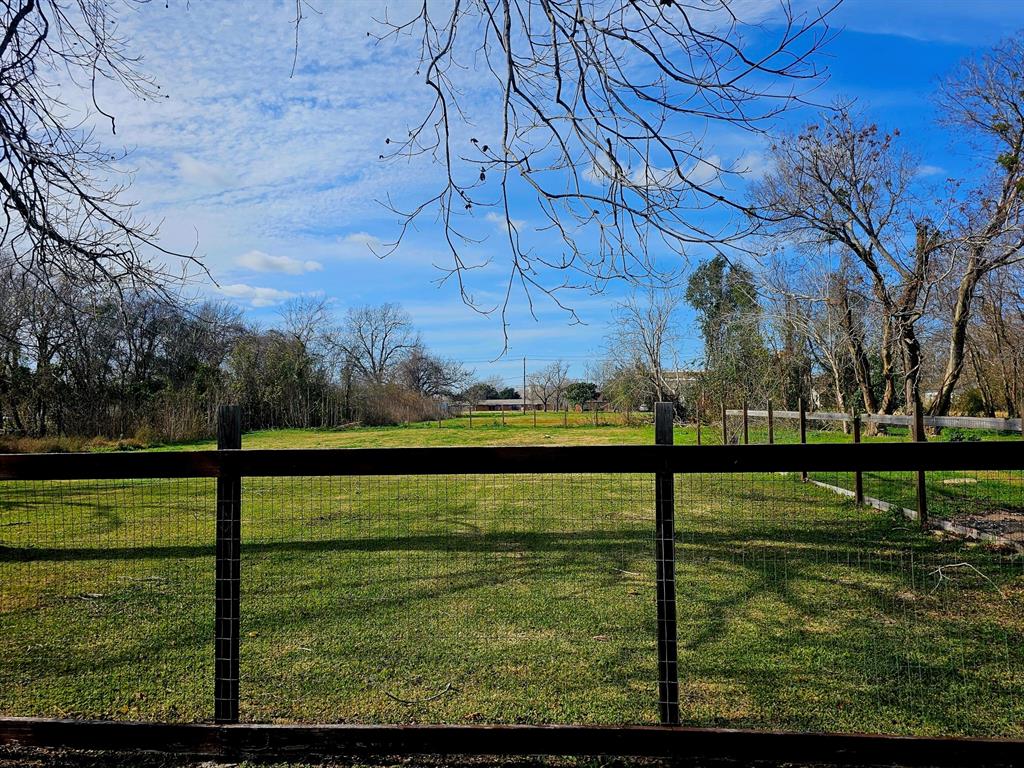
[
  {"x": 259, "y": 261},
  {"x": 203, "y": 174},
  {"x": 256, "y": 295},
  {"x": 363, "y": 238},
  {"x": 925, "y": 170},
  {"x": 499, "y": 220},
  {"x": 704, "y": 171},
  {"x": 753, "y": 165}
]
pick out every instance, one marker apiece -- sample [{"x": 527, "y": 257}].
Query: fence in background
[
  {"x": 744, "y": 426},
  {"x": 508, "y": 585}
]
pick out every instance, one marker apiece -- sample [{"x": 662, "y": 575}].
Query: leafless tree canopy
[
  {"x": 917, "y": 262},
  {"x": 63, "y": 216},
  {"x": 599, "y": 115},
  {"x": 548, "y": 384},
  {"x": 375, "y": 338},
  {"x": 644, "y": 343}
]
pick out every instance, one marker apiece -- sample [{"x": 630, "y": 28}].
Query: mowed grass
[{"x": 505, "y": 599}]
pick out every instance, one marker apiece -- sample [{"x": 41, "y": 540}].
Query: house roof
[{"x": 508, "y": 401}]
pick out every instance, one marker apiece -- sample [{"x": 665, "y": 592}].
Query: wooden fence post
[
  {"x": 922, "y": 490},
  {"x": 227, "y": 621},
  {"x": 595, "y": 414},
  {"x": 565, "y": 417},
  {"x": 771, "y": 423},
  {"x": 803, "y": 431},
  {"x": 858, "y": 476},
  {"x": 535, "y": 416},
  {"x": 665, "y": 564},
  {"x": 746, "y": 425},
  {"x": 502, "y": 406},
  {"x": 725, "y": 426}
]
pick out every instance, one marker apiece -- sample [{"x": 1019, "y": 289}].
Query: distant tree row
[{"x": 90, "y": 363}]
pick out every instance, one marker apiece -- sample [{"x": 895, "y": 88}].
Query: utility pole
[{"x": 524, "y": 385}]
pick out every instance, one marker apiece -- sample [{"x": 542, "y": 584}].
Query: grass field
[{"x": 508, "y": 598}]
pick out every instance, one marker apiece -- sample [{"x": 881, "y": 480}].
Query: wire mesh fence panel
[
  {"x": 501, "y": 598},
  {"x": 106, "y": 598},
  {"x": 808, "y": 612}
]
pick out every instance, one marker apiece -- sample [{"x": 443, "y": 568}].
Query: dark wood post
[
  {"x": 858, "y": 476},
  {"x": 725, "y": 426},
  {"x": 227, "y": 621},
  {"x": 595, "y": 413},
  {"x": 502, "y": 406},
  {"x": 922, "y": 491},
  {"x": 665, "y": 564},
  {"x": 535, "y": 416},
  {"x": 803, "y": 431},
  {"x": 565, "y": 417},
  {"x": 771, "y": 423},
  {"x": 746, "y": 425}
]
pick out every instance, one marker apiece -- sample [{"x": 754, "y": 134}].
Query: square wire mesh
[
  {"x": 500, "y": 598},
  {"x": 808, "y": 612},
  {"x": 106, "y": 599}
]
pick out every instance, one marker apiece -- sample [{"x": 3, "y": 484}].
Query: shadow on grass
[{"x": 797, "y": 614}]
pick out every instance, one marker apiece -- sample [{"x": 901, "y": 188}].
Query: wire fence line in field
[
  {"x": 510, "y": 585},
  {"x": 946, "y": 501}
]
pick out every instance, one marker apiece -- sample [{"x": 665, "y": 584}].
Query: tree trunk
[
  {"x": 958, "y": 335},
  {"x": 861, "y": 364}
]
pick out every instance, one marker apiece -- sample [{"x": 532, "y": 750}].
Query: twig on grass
[{"x": 939, "y": 571}]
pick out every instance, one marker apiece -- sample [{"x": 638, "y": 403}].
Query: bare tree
[
  {"x": 601, "y": 118},
  {"x": 431, "y": 376},
  {"x": 843, "y": 182},
  {"x": 64, "y": 220},
  {"x": 645, "y": 341},
  {"x": 375, "y": 338},
  {"x": 995, "y": 342},
  {"x": 984, "y": 98},
  {"x": 549, "y": 383}
]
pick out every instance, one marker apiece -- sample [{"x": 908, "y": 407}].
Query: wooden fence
[{"x": 227, "y": 738}]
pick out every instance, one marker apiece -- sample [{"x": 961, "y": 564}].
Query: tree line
[
  {"x": 864, "y": 284},
  {"x": 100, "y": 363}
]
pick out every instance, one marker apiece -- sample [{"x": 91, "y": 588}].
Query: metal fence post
[
  {"x": 803, "y": 431},
  {"x": 665, "y": 563},
  {"x": 746, "y": 425},
  {"x": 725, "y": 426},
  {"x": 227, "y": 623},
  {"x": 858, "y": 476},
  {"x": 922, "y": 490},
  {"x": 771, "y": 423}
]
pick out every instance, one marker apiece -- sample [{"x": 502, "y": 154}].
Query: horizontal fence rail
[
  {"x": 261, "y": 741},
  {"x": 588, "y": 459},
  {"x": 930, "y": 422}
]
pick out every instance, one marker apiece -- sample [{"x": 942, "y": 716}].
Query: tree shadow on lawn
[{"x": 808, "y": 623}]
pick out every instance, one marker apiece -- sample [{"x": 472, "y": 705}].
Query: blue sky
[{"x": 273, "y": 178}]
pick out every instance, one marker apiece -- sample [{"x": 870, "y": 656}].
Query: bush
[
  {"x": 970, "y": 403},
  {"x": 957, "y": 435}
]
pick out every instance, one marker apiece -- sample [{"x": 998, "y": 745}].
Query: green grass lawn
[{"x": 506, "y": 599}]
